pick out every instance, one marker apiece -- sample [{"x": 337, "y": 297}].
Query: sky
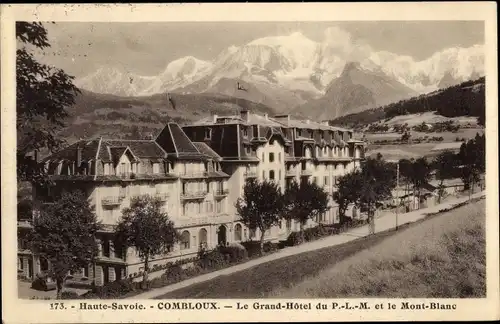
[{"x": 146, "y": 48}]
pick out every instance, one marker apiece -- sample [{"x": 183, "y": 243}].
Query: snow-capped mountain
[
  {"x": 457, "y": 64},
  {"x": 116, "y": 81},
  {"x": 177, "y": 74},
  {"x": 354, "y": 90},
  {"x": 292, "y": 66}
]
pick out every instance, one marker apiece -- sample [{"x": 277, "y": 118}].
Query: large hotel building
[{"x": 198, "y": 171}]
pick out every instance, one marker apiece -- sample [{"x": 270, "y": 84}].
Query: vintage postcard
[{"x": 249, "y": 162}]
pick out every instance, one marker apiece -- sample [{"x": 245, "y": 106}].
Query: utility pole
[{"x": 397, "y": 195}]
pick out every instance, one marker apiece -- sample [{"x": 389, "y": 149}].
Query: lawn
[
  {"x": 442, "y": 257},
  {"x": 271, "y": 278}
]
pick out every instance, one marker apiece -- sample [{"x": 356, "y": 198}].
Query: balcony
[
  {"x": 306, "y": 173},
  {"x": 112, "y": 201},
  {"x": 193, "y": 195},
  {"x": 194, "y": 175},
  {"x": 220, "y": 193},
  {"x": 220, "y": 218},
  {"x": 250, "y": 174},
  {"x": 162, "y": 196}
]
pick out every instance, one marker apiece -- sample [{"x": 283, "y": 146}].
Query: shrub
[
  {"x": 235, "y": 252},
  {"x": 314, "y": 233},
  {"x": 69, "y": 295},
  {"x": 211, "y": 259},
  {"x": 174, "y": 272},
  {"x": 253, "y": 247},
  {"x": 294, "y": 239},
  {"x": 116, "y": 289}
]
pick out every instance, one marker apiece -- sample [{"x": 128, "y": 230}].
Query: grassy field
[
  {"x": 283, "y": 275},
  {"x": 442, "y": 257}
]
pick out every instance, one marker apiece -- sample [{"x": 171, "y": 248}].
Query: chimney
[
  {"x": 266, "y": 116},
  {"x": 283, "y": 118},
  {"x": 79, "y": 150},
  {"x": 244, "y": 115},
  {"x": 215, "y": 119}
]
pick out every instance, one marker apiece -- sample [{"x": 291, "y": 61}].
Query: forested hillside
[{"x": 465, "y": 99}]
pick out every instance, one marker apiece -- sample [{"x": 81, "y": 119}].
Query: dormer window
[
  {"x": 322, "y": 135},
  {"x": 208, "y": 133},
  {"x": 156, "y": 168}
]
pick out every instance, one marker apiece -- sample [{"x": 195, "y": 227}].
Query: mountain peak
[{"x": 350, "y": 66}]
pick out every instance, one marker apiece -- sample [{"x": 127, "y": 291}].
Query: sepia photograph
[{"x": 194, "y": 161}]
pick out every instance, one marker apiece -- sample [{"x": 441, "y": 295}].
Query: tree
[
  {"x": 421, "y": 175},
  {"x": 147, "y": 229},
  {"x": 364, "y": 188},
  {"x": 260, "y": 207},
  {"x": 305, "y": 201},
  {"x": 406, "y": 172},
  {"x": 415, "y": 173},
  {"x": 347, "y": 192},
  {"x": 472, "y": 159},
  {"x": 445, "y": 165},
  {"x": 64, "y": 233},
  {"x": 42, "y": 95}
]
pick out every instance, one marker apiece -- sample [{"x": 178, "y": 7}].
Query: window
[
  {"x": 263, "y": 157},
  {"x": 279, "y": 157},
  {"x": 264, "y": 175},
  {"x": 255, "y": 130},
  {"x": 105, "y": 249},
  {"x": 315, "y": 180},
  {"x": 208, "y": 133},
  {"x": 248, "y": 150},
  {"x": 123, "y": 170},
  {"x": 252, "y": 233},
  {"x": 299, "y": 132},
  {"x": 287, "y": 150},
  {"x": 208, "y": 187},
  {"x": 185, "y": 240},
  {"x": 279, "y": 175},
  {"x": 245, "y": 132},
  {"x": 156, "y": 168},
  {"x": 123, "y": 191},
  {"x": 271, "y": 157},
  {"x": 322, "y": 135},
  {"x": 326, "y": 180},
  {"x": 238, "y": 232},
  {"x": 271, "y": 174},
  {"x": 203, "y": 237}
]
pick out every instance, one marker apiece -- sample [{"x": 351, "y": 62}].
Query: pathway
[{"x": 383, "y": 223}]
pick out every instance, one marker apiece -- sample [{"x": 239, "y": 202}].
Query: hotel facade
[{"x": 198, "y": 171}]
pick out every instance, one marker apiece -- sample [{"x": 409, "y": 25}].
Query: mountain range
[{"x": 293, "y": 73}]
